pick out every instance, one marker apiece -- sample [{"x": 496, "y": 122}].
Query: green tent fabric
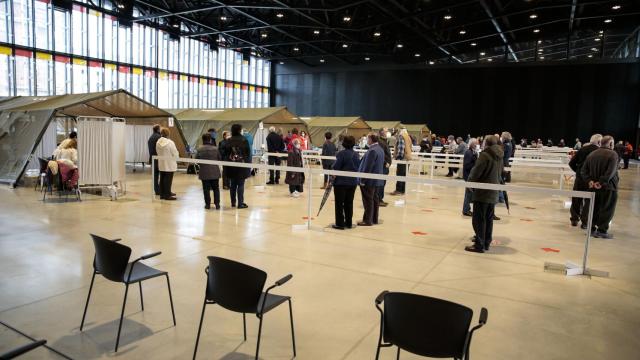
[
  {"x": 340, "y": 125},
  {"x": 378, "y": 125},
  {"x": 417, "y": 130}
]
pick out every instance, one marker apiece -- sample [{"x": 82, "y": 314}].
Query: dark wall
[{"x": 532, "y": 101}]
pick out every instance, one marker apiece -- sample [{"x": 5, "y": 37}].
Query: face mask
[{"x": 388, "y": 134}]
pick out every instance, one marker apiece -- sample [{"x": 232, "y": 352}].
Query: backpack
[{"x": 236, "y": 154}]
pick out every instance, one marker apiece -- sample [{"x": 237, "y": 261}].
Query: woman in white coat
[{"x": 166, "y": 148}]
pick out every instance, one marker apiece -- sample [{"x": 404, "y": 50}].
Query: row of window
[{"x": 89, "y": 51}]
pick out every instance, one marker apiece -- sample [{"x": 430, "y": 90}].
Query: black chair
[
  {"x": 425, "y": 326},
  {"x": 42, "y": 177},
  {"x": 22, "y": 350},
  {"x": 238, "y": 287},
  {"x": 112, "y": 262}
]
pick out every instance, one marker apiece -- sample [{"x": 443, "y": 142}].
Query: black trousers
[
  {"x": 207, "y": 186},
  {"x": 226, "y": 183},
  {"x": 625, "y": 159},
  {"x": 344, "y": 204},
  {"x": 579, "y": 206},
  {"x": 156, "y": 177},
  {"x": 604, "y": 208},
  {"x": 401, "y": 170},
  {"x": 236, "y": 186},
  {"x": 166, "y": 179},
  {"x": 274, "y": 175},
  {"x": 371, "y": 204},
  {"x": 385, "y": 171},
  {"x": 298, "y": 188},
  {"x": 482, "y": 221}
]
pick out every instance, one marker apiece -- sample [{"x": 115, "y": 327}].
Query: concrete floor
[{"x": 46, "y": 256}]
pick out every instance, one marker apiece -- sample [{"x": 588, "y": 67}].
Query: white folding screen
[
  {"x": 137, "y": 150},
  {"x": 101, "y": 151}
]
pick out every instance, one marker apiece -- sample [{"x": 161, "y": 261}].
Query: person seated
[{"x": 67, "y": 151}]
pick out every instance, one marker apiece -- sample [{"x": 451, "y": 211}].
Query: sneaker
[
  {"x": 472, "y": 248},
  {"x": 243, "y": 206},
  {"x": 467, "y": 213},
  {"x": 295, "y": 194}
]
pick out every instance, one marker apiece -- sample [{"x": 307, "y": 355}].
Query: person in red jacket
[{"x": 627, "y": 153}]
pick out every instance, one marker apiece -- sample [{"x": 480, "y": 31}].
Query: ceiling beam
[
  {"x": 164, "y": 14},
  {"x": 486, "y": 8}
]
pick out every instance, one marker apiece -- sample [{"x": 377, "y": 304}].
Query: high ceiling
[{"x": 317, "y": 32}]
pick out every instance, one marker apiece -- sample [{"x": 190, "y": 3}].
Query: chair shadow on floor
[
  {"x": 500, "y": 246},
  {"x": 96, "y": 342}
]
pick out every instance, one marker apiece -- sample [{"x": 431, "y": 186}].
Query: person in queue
[
  {"x": 382, "y": 141},
  {"x": 294, "y": 135},
  {"x": 165, "y": 147},
  {"x": 600, "y": 171},
  {"x": 488, "y": 169},
  {"x": 214, "y": 136},
  {"x": 372, "y": 163},
  {"x": 344, "y": 187},
  {"x": 470, "y": 157},
  {"x": 328, "y": 149},
  {"x": 627, "y": 153},
  {"x": 275, "y": 144},
  {"x": 151, "y": 143},
  {"x": 580, "y": 207},
  {"x": 209, "y": 175},
  {"x": 236, "y": 149},
  {"x": 578, "y": 145},
  {"x": 295, "y": 179},
  {"x": 221, "y": 149},
  {"x": 403, "y": 151},
  {"x": 507, "y": 148}
]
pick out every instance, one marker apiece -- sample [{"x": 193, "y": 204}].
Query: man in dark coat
[
  {"x": 275, "y": 144},
  {"x": 237, "y": 150},
  {"x": 580, "y": 206},
  {"x": 328, "y": 149},
  {"x": 153, "y": 139},
  {"x": 209, "y": 174},
  {"x": 488, "y": 169},
  {"x": 600, "y": 171},
  {"x": 372, "y": 163},
  {"x": 470, "y": 157},
  {"x": 382, "y": 141}
]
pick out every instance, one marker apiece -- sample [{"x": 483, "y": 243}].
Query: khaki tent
[
  {"x": 24, "y": 121},
  {"x": 378, "y": 125},
  {"x": 195, "y": 122},
  {"x": 347, "y": 125},
  {"x": 417, "y": 130}
]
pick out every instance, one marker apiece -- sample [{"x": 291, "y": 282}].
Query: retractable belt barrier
[{"x": 569, "y": 268}]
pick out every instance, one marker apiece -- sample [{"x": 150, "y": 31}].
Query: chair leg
[
  {"x": 378, "y": 351},
  {"x": 141, "y": 298},
  {"x": 195, "y": 350},
  {"x": 398, "y": 354},
  {"x": 86, "y": 305},
  {"x": 244, "y": 325},
  {"x": 124, "y": 302},
  {"x": 293, "y": 336},
  {"x": 259, "y": 334},
  {"x": 173, "y": 313}
]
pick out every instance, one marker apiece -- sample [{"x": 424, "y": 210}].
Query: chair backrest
[
  {"x": 44, "y": 163},
  {"x": 111, "y": 258},
  {"x": 235, "y": 286},
  {"x": 426, "y": 326}
]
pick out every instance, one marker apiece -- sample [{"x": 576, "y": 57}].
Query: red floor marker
[
  {"x": 527, "y": 220},
  {"x": 550, "y": 250},
  {"x": 418, "y": 233},
  {"x": 427, "y": 210},
  {"x": 307, "y": 218}
]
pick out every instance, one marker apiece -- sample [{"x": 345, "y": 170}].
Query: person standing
[
  {"x": 508, "y": 151},
  {"x": 578, "y": 145},
  {"x": 344, "y": 187},
  {"x": 579, "y": 206},
  {"x": 470, "y": 157},
  {"x": 237, "y": 150},
  {"x": 402, "y": 152},
  {"x": 372, "y": 163},
  {"x": 151, "y": 143},
  {"x": 223, "y": 155},
  {"x": 488, "y": 169},
  {"x": 295, "y": 179},
  {"x": 165, "y": 147},
  {"x": 460, "y": 150},
  {"x": 627, "y": 154},
  {"x": 214, "y": 135},
  {"x": 275, "y": 144},
  {"x": 294, "y": 135},
  {"x": 382, "y": 141},
  {"x": 209, "y": 174},
  {"x": 600, "y": 171},
  {"x": 328, "y": 149}
]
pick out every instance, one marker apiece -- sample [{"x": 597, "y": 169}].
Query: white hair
[
  {"x": 596, "y": 139},
  {"x": 272, "y": 129},
  {"x": 473, "y": 141}
]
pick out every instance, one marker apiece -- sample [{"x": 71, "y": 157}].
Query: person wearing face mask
[
  {"x": 295, "y": 180},
  {"x": 304, "y": 141},
  {"x": 223, "y": 155},
  {"x": 470, "y": 157},
  {"x": 372, "y": 163}
]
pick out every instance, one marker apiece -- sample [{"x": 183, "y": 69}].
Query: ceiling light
[
  {"x": 473, "y": 44},
  {"x": 321, "y": 60},
  {"x": 601, "y": 32},
  {"x": 253, "y": 53},
  {"x": 616, "y": 7},
  {"x": 597, "y": 39},
  {"x": 263, "y": 35},
  {"x": 296, "y": 49},
  {"x": 399, "y": 46},
  {"x": 533, "y": 16},
  {"x": 223, "y": 18},
  {"x": 431, "y": 62},
  {"x": 377, "y": 34},
  {"x": 590, "y": 56},
  {"x": 539, "y": 41},
  {"x": 482, "y": 54},
  {"x": 317, "y": 32},
  {"x": 489, "y": 59},
  {"x": 594, "y": 49},
  {"x": 345, "y": 46},
  {"x": 120, "y": 6},
  {"x": 367, "y": 59},
  {"x": 540, "y": 50},
  {"x": 462, "y": 32},
  {"x": 281, "y": 62},
  {"x": 416, "y": 55},
  {"x": 176, "y": 24},
  {"x": 535, "y": 31},
  {"x": 346, "y": 18},
  {"x": 607, "y": 21},
  {"x": 541, "y": 58},
  {"x": 280, "y": 15},
  {"x": 448, "y": 17}
]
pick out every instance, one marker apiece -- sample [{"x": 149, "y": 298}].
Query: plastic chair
[
  {"x": 238, "y": 287},
  {"x": 22, "y": 350},
  {"x": 425, "y": 326},
  {"x": 42, "y": 178},
  {"x": 112, "y": 262}
]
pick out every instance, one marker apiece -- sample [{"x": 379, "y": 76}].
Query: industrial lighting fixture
[
  {"x": 399, "y": 46},
  {"x": 223, "y": 18},
  {"x": 120, "y": 6},
  {"x": 321, "y": 60},
  {"x": 316, "y": 32},
  {"x": 346, "y": 18},
  {"x": 296, "y": 49},
  {"x": 176, "y": 24},
  {"x": 482, "y": 54},
  {"x": 601, "y": 32},
  {"x": 594, "y": 49},
  {"x": 345, "y": 46},
  {"x": 539, "y": 41},
  {"x": 616, "y": 7},
  {"x": 535, "y": 31},
  {"x": 473, "y": 44},
  {"x": 540, "y": 50},
  {"x": 541, "y": 58},
  {"x": 264, "y": 35},
  {"x": 367, "y": 59},
  {"x": 489, "y": 59},
  {"x": 533, "y": 16},
  {"x": 416, "y": 55},
  {"x": 590, "y": 56},
  {"x": 377, "y": 34},
  {"x": 607, "y": 21},
  {"x": 462, "y": 32},
  {"x": 279, "y": 15},
  {"x": 597, "y": 39},
  {"x": 431, "y": 62},
  {"x": 448, "y": 17},
  {"x": 281, "y": 62}
]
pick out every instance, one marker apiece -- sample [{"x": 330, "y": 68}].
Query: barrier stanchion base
[{"x": 571, "y": 269}]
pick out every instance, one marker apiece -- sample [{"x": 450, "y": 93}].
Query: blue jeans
[
  {"x": 237, "y": 188},
  {"x": 466, "y": 205}
]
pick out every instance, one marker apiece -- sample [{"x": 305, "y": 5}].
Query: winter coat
[
  {"x": 508, "y": 149},
  {"x": 372, "y": 163},
  {"x": 153, "y": 140},
  {"x": 346, "y": 160},
  {"x": 242, "y": 145},
  {"x": 328, "y": 149},
  {"x": 602, "y": 166},
  {"x": 275, "y": 144},
  {"x": 387, "y": 153},
  {"x": 208, "y": 152},
  {"x": 294, "y": 159},
  {"x": 578, "y": 159},
  {"x": 488, "y": 169},
  {"x": 166, "y": 147},
  {"x": 67, "y": 154},
  {"x": 469, "y": 162}
]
